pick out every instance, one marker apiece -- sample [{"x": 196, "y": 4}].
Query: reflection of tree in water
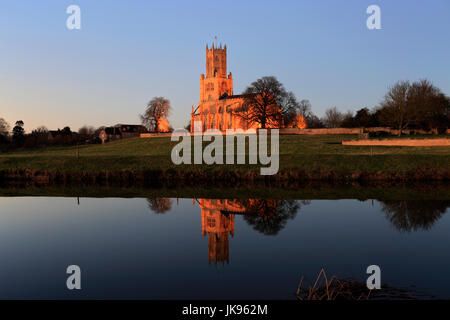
[
  {"x": 408, "y": 215},
  {"x": 269, "y": 216},
  {"x": 160, "y": 205}
]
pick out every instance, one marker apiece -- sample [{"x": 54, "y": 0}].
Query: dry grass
[{"x": 332, "y": 288}]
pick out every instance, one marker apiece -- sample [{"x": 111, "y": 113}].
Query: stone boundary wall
[
  {"x": 395, "y": 132},
  {"x": 322, "y": 131},
  {"x": 358, "y": 131},
  {"x": 388, "y": 130},
  {"x": 282, "y": 131},
  {"x": 156, "y": 135},
  {"x": 438, "y": 142}
]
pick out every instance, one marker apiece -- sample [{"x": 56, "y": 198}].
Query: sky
[{"x": 128, "y": 52}]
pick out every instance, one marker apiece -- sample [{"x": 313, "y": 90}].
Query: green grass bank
[{"x": 302, "y": 158}]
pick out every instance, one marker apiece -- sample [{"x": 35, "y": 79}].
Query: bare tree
[
  {"x": 419, "y": 104},
  {"x": 304, "y": 108},
  {"x": 86, "y": 130},
  {"x": 265, "y": 102},
  {"x": 430, "y": 108},
  {"x": 439, "y": 116},
  {"x": 333, "y": 118},
  {"x": 395, "y": 110},
  {"x": 157, "y": 108},
  {"x": 289, "y": 108},
  {"x": 312, "y": 121},
  {"x": 4, "y": 127},
  {"x": 40, "y": 130}
]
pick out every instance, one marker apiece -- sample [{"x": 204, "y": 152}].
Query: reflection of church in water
[{"x": 218, "y": 224}]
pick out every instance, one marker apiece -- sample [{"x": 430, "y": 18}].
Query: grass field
[{"x": 323, "y": 153}]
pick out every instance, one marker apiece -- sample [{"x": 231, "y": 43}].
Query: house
[
  {"x": 121, "y": 131},
  {"x": 110, "y": 134},
  {"x": 130, "y": 130}
]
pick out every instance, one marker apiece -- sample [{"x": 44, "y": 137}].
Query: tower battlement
[
  {"x": 216, "y": 61},
  {"x": 217, "y": 105},
  {"x": 215, "y": 83},
  {"x": 216, "y": 47}
]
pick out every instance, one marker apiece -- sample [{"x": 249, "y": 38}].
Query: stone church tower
[
  {"x": 219, "y": 107},
  {"x": 216, "y": 83},
  {"x": 217, "y": 102},
  {"x": 218, "y": 224}
]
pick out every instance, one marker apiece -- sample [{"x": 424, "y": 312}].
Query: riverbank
[
  {"x": 302, "y": 158},
  {"x": 306, "y": 191}
]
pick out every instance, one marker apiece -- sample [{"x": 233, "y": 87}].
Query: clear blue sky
[{"x": 130, "y": 51}]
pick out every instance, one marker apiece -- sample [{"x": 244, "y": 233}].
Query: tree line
[
  {"x": 406, "y": 105},
  {"x": 417, "y": 105},
  {"x": 17, "y": 138},
  {"x": 269, "y": 217}
]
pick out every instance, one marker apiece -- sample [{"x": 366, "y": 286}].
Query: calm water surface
[{"x": 212, "y": 249}]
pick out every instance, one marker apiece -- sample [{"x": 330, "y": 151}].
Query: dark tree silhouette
[
  {"x": 416, "y": 105},
  {"x": 333, "y": 118},
  {"x": 290, "y": 107},
  {"x": 18, "y": 134},
  {"x": 304, "y": 108},
  {"x": 313, "y": 121},
  {"x": 267, "y": 102},
  {"x": 86, "y": 131},
  {"x": 66, "y": 131},
  {"x": 395, "y": 110},
  {"x": 269, "y": 216},
  {"x": 412, "y": 215}
]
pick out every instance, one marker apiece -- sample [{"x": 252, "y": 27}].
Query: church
[
  {"x": 219, "y": 107},
  {"x": 218, "y": 104}
]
